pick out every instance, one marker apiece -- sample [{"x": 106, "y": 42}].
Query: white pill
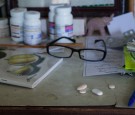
[
  {"x": 83, "y": 91},
  {"x": 112, "y": 86},
  {"x": 82, "y": 87},
  {"x": 97, "y": 92}
]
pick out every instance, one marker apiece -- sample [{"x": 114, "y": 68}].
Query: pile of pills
[{"x": 83, "y": 89}]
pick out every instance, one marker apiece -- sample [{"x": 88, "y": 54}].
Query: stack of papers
[{"x": 111, "y": 64}]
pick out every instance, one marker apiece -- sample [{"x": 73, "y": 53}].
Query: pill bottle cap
[
  {"x": 32, "y": 15},
  {"x": 52, "y": 7},
  {"x": 18, "y": 12},
  {"x": 3, "y": 21},
  {"x": 63, "y": 9}
]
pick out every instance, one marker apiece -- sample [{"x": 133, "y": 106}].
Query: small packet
[{"x": 129, "y": 60}]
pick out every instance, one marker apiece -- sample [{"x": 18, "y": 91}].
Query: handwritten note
[{"x": 111, "y": 64}]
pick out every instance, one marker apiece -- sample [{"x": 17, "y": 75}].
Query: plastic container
[
  {"x": 64, "y": 23},
  {"x": 51, "y": 17},
  {"x": 32, "y": 28},
  {"x": 16, "y": 24},
  {"x": 4, "y": 27}
]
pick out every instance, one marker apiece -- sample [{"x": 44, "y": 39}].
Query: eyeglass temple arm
[
  {"x": 105, "y": 51},
  {"x": 103, "y": 43},
  {"x": 72, "y": 40}
]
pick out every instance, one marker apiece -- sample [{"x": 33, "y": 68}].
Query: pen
[{"x": 131, "y": 100}]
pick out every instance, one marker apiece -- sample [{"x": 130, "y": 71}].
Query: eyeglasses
[{"x": 87, "y": 54}]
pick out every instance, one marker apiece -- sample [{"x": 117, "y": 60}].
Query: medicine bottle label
[
  {"x": 16, "y": 31},
  {"x": 32, "y": 35},
  {"x": 4, "y": 32},
  {"x": 66, "y": 31},
  {"x": 52, "y": 30},
  {"x": 52, "y": 27}
]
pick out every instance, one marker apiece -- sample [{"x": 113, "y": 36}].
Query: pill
[
  {"x": 112, "y": 86},
  {"x": 83, "y": 91},
  {"x": 82, "y": 87},
  {"x": 97, "y": 92}
]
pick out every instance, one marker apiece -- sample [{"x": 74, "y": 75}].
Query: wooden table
[
  {"x": 23, "y": 97},
  {"x": 65, "y": 111}
]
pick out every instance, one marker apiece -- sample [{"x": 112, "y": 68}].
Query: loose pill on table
[
  {"x": 82, "y": 87},
  {"x": 112, "y": 86},
  {"x": 83, "y": 91},
  {"x": 97, "y": 92}
]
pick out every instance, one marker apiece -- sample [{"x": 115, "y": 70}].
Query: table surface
[{"x": 57, "y": 93}]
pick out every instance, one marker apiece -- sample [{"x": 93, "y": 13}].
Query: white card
[{"x": 121, "y": 24}]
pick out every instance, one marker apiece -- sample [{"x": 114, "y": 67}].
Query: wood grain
[
  {"x": 131, "y": 6},
  {"x": 41, "y": 46}
]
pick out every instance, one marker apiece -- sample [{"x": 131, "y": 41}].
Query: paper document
[{"x": 111, "y": 64}]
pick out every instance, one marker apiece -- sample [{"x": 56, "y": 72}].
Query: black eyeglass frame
[{"x": 54, "y": 43}]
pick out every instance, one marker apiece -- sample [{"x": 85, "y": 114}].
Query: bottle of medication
[
  {"x": 51, "y": 17},
  {"x": 64, "y": 23},
  {"x": 32, "y": 28},
  {"x": 4, "y": 27},
  {"x": 16, "y": 24}
]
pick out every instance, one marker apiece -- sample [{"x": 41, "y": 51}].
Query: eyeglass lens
[
  {"x": 84, "y": 54},
  {"x": 92, "y": 55},
  {"x": 61, "y": 51}
]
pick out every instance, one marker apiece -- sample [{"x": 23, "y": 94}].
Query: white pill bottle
[
  {"x": 4, "y": 27},
  {"x": 32, "y": 28},
  {"x": 51, "y": 24},
  {"x": 51, "y": 17},
  {"x": 16, "y": 24},
  {"x": 64, "y": 23}
]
